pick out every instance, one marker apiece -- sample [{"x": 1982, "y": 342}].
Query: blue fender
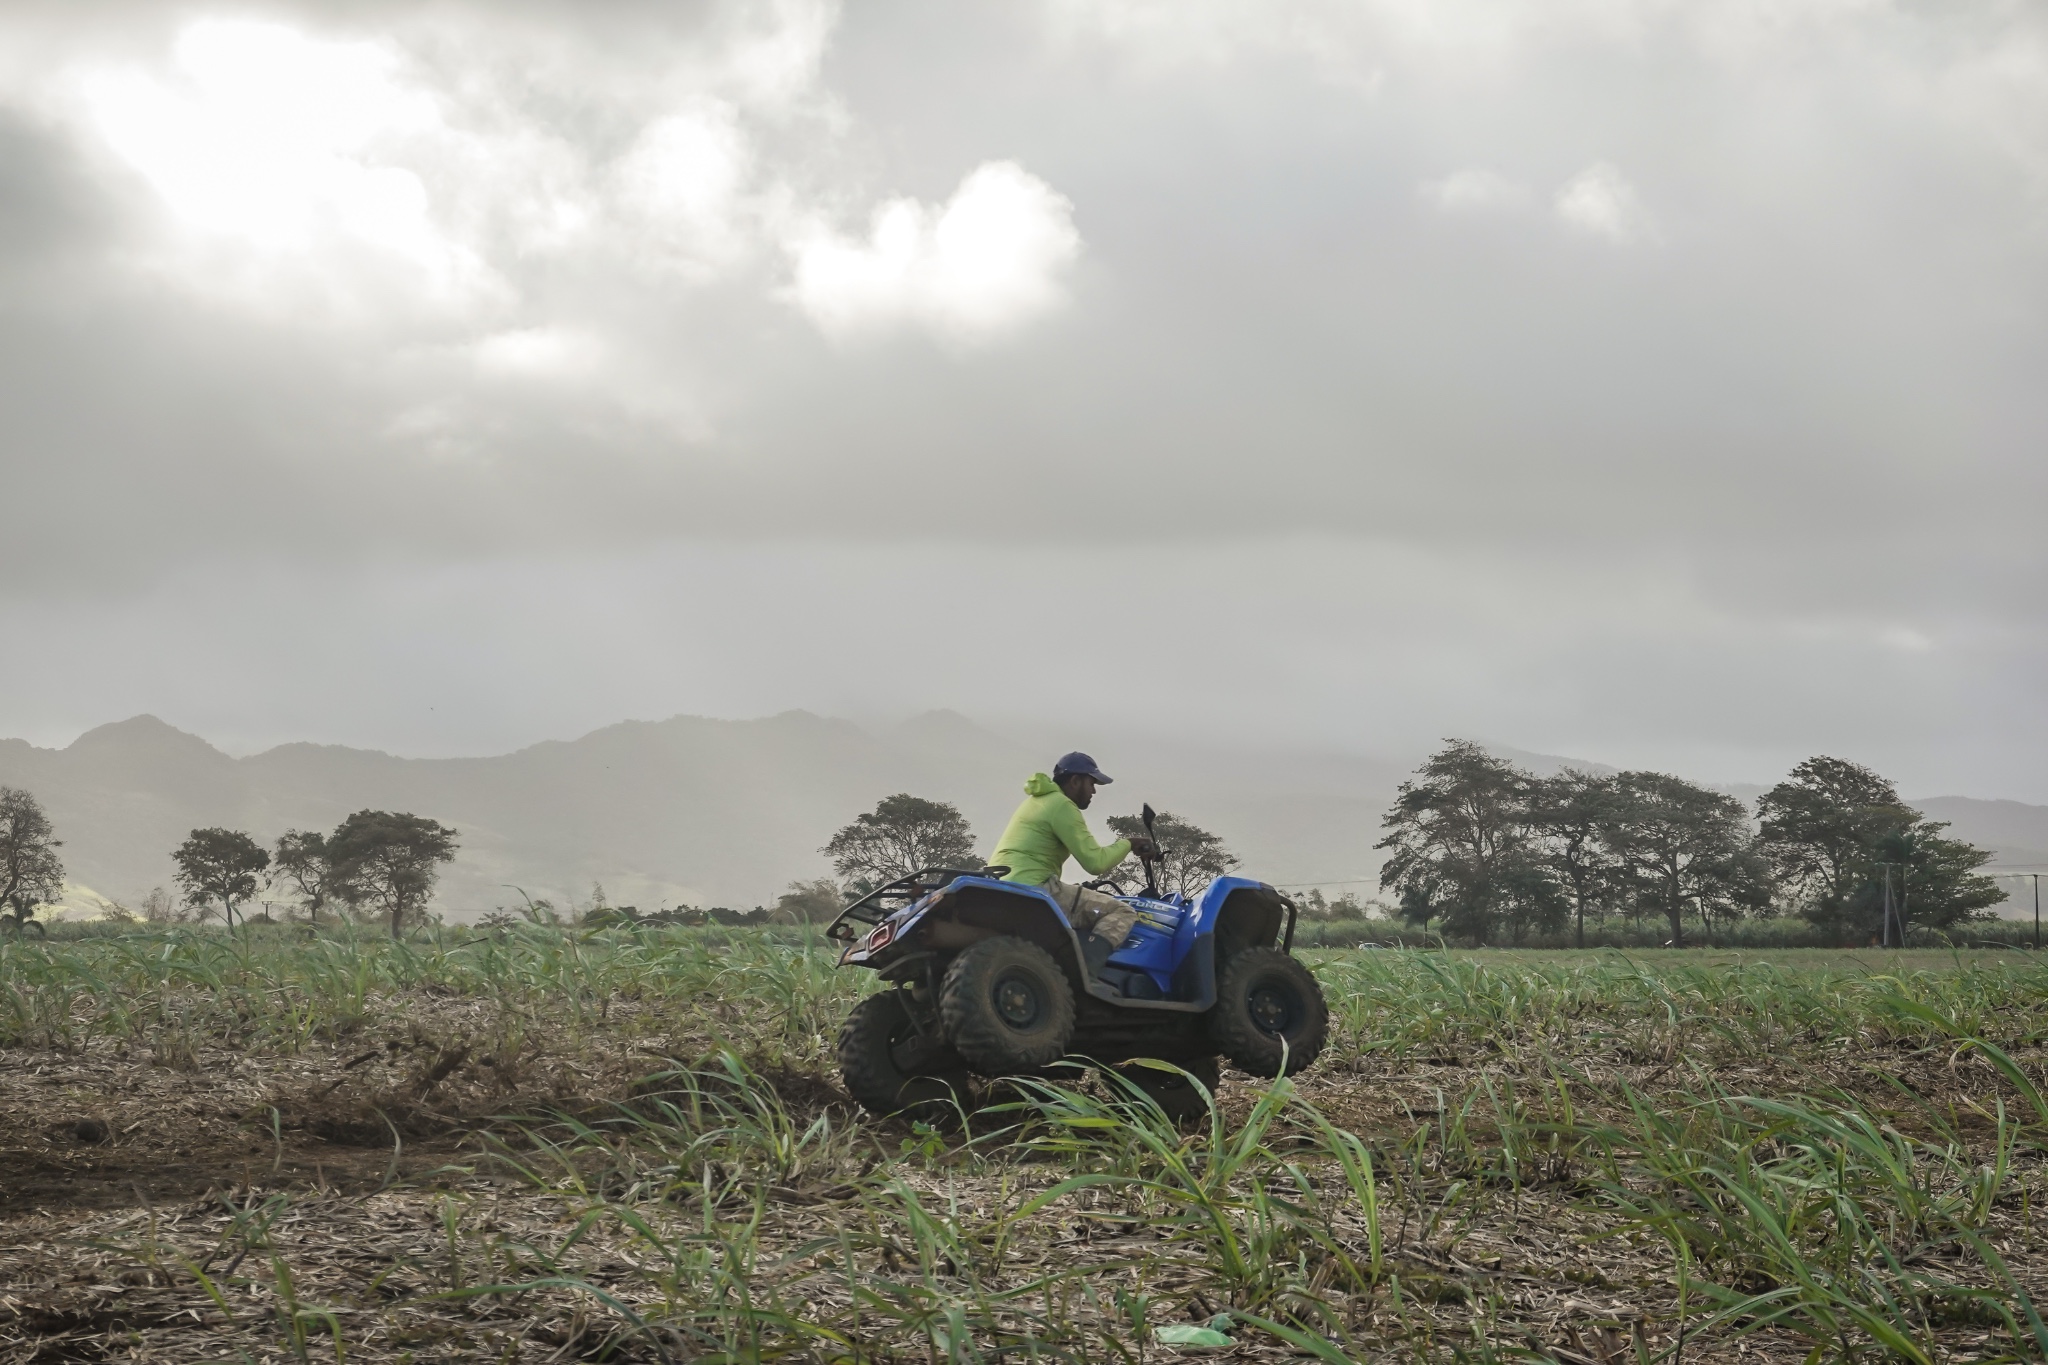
[
  {"x": 900, "y": 924},
  {"x": 1210, "y": 906}
]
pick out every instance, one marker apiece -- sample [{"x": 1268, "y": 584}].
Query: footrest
[{"x": 1135, "y": 985}]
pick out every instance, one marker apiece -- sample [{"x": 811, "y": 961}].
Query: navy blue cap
[{"x": 1078, "y": 764}]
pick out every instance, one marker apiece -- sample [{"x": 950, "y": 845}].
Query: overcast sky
[{"x": 1656, "y": 382}]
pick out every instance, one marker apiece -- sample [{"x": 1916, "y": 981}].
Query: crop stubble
[{"x": 529, "y": 1145}]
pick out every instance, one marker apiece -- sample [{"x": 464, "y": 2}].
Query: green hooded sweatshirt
[{"x": 1045, "y": 829}]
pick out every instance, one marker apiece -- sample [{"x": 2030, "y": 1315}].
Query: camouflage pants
[{"x": 1088, "y": 911}]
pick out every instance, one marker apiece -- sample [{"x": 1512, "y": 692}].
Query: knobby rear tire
[
  {"x": 890, "y": 1070},
  {"x": 1007, "y": 1007}
]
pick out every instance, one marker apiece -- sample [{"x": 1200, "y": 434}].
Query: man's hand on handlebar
[{"x": 1145, "y": 847}]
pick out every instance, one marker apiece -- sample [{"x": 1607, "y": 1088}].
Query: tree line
[
  {"x": 377, "y": 864},
  {"x": 1489, "y": 852},
  {"x": 1476, "y": 847}
]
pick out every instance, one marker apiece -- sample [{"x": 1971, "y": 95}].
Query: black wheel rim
[
  {"x": 1018, "y": 1002},
  {"x": 1274, "y": 1008}
]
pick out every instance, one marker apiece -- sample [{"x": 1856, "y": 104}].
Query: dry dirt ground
[{"x": 348, "y": 1202}]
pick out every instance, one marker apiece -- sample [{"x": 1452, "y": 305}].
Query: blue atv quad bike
[{"x": 991, "y": 980}]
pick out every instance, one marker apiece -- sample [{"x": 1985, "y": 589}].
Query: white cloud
[
  {"x": 683, "y": 179},
  {"x": 1339, "y": 38},
  {"x": 554, "y": 353},
  {"x": 775, "y": 56},
  {"x": 404, "y": 180},
  {"x": 1600, "y": 202},
  {"x": 1980, "y": 68},
  {"x": 1342, "y": 38},
  {"x": 988, "y": 260},
  {"x": 1475, "y": 191},
  {"x": 275, "y": 146},
  {"x": 2001, "y": 93}
]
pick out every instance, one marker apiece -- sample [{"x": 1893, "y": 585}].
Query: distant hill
[
  {"x": 2016, "y": 834},
  {"x": 723, "y": 812},
  {"x": 683, "y": 810}
]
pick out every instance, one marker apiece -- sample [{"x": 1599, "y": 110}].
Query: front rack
[{"x": 878, "y": 904}]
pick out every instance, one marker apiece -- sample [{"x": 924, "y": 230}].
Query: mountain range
[{"x": 727, "y": 812}]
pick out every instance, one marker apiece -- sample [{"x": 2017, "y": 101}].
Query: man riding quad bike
[{"x": 1003, "y": 970}]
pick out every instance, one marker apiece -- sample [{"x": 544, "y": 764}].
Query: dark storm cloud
[{"x": 1631, "y": 379}]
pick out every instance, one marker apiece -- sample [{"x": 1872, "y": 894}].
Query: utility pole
[
  {"x": 1893, "y": 915},
  {"x": 1905, "y": 899},
  {"x": 1891, "y": 910}
]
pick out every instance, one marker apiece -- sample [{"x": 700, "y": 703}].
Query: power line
[{"x": 1296, "y": 886}]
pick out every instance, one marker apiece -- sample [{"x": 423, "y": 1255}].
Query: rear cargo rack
[{"x": 886, "y": 899}]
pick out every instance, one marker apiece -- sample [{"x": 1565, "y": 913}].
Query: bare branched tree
[
  {"x": 1190, "y": 857},
  {"x": 900, "y": 835},
  {"x": 301, "y": 862}
]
